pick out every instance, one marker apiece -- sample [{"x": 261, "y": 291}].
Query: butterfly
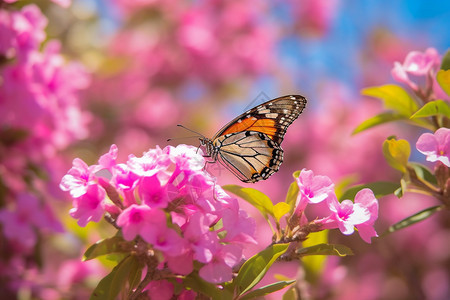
[{"x": 250, "y": 145}]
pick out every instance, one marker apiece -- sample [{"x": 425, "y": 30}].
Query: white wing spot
[{"x": 271, "y": 115}]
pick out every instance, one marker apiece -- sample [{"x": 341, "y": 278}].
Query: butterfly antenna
[
  {"x": 198, "y": 134},
  {"x": 183, "y": 137}
]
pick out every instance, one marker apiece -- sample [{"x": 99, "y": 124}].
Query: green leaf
[
  {"x": 111, "y": 285},
  {"x": 254, "y": 197},
  {"x": 325, "y": 249},
  {"x": 196, "y": 283},
  {"x": 445, "y": 64},
  {"x": 420, "y": 216},
  {"x": 443, "y": 78},
  {"x": 314, "y": 263},
  {"x": 268, "y": 289},
  {"x": 397, "y": 153},
  {"x": 379, "y": 188},
  {"x": 394, "y": 97},
  {"x": 423, "y": 172},
  {"x": 434, "y": 108},
  {"x": 291, "y": 196},
  {"x": 254, "y": 269},
  {"x": 115, "y": 244},
  {"x": 378, "y": 120},
  {"x": 296, "y": 174},
  {"x": 280, "y": 209}
]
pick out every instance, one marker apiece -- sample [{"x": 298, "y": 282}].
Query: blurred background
[{"x": 88, "y": 74}]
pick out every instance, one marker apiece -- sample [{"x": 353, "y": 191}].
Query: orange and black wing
[
  {"x": 250, "y": 155},
  {"x": 271, "y": 118}
]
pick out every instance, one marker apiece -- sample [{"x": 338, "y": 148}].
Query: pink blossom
[
  {"x": 238, "y": 226},
  {"x": 28, "y": 26},
  {"x": 153, "y": 192},
  {"x": 40, "y": 90},
  {"x": 152, "y": 162},
  {"x": 164, "y": 239},
  {"x": 20, "y": 224},
  {"x": 312, "y": 189},
  {"x": 436, "y": 146},
  {"x": 196, "y": 232},
  {"x": 187, "y": 295},
  {"x": 140, "y": 220},
  {"x": 160, "y": 290},
  {"x": 17, "y": 228},
  {"x": 182, "y": 264},
  {"x": 367, "y": 199},
  {"x": 186, "y": 157},
  {"x": 78, "y": 178},
  {"x": 346, "y": 214},
  {"x": 108, "y": 160},
  {"x": 89, "y": 206},
  {"x": 416, "y": 63},
  {"x": 219, "y": 269}
]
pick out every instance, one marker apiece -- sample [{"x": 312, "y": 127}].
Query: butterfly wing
[
  {"x": 249, "y": 145},
  {"x": 271, "y": 118},
  {"x": 250, "y": 155}
]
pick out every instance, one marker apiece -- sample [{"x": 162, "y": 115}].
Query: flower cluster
[
  {"x": 40, "y": 111},
  {"x": 40, "y": 115},
  {"x": 166, "y": 199},
  {"x": 345, "y": 215},
  {"x": 39, "y": 92}
]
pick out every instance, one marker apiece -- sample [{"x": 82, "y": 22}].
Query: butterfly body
[{"x": 250, "y": 145}]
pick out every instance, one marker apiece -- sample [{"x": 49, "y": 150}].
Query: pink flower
[
  {"x": 186, "y": 157},
  {"x": 78, "y": 178},
  {"x": 196, "y": 231},
  {"x": 140, "y": 220},
  {"x": 436, "y": 146},
  {"x": 20, "y": 224},
  {"x": 312, "y": 189},
  {"x": 123, "y": 178},
  {"x": 182, "y": 264},
  {"x": 108, "y": 160},
  {"x": 17, "y": 228},
  {"x": 153, "y": 192},
  {"x": 239, "y": 226},
  {"x": 187, "y": 295},
  {"x": 164, "y": 239},
  {"x": 160, "y": 290},
  {"x": 152, "y": 162},
  {"x": 40, "y": 90},
  {"x": 416, "y": 63},
  {"x": 89, "y": 206},
  {"x": 346, "y": 215},
  {"x": 367, "y": 199},
  {"x": 219, "y": 269}
]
